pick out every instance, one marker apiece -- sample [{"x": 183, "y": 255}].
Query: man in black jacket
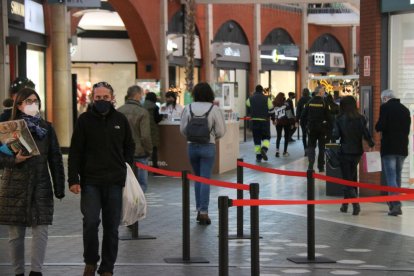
[
  {"x": 394, "y": 124},
  {"x": 101, "y": 144},
  {"x": 316, "y": 118}
]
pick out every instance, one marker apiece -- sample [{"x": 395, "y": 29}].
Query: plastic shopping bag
[
  {"x": 372, "y": 161},
  {"x": 134, "y": 205}
]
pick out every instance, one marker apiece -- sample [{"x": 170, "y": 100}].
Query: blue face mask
[
  {"x": 142, "y": 101},
  {"x": 102, "y": 106}
]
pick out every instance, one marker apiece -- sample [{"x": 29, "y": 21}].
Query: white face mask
[{"x": 31, "y": 109}]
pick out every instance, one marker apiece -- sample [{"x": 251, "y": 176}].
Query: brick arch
[
  {"x": 278, "y": 36},
  {"x": 328, "y": 42}
]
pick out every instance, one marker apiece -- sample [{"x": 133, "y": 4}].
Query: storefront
[
  {"x": 401, "y": 64},
  {"x": 27, "y": 43},
  {"x": 231, "y": 60},
  {"x": 279, "y": 62},
  {"x": 326, "y": 58}
]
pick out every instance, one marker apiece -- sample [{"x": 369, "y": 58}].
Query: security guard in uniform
[
  {"x": 317, "y": 120},
  {"x": 260, "y": 109}
]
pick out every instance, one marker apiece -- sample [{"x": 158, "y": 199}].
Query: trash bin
[{"x": 333, "y": 189}]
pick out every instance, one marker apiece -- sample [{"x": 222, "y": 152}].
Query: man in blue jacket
[
  {"x": 394, "y": 124},
  {"x": 101, "y": 144}
]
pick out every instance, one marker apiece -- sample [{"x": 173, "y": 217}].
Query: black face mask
[{"x": 102, "y": 106}]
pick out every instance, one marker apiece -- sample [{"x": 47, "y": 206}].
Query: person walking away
[
  {"x": 261, "y": 108},
  {"x": 28, "y": 184},
  {"x": 101, "y": 145},
  {"x": 333, "y": 112},
  {"x": 299, "y": 109},
  {"x": 316, "y": 117},
  {"x": 394, "y": 125},
  {"x": 281, "y": 122},
  {"x": 139, "y": 122},
  {"x": 291, "y": 115},
  {"x": 350, "y": 127},
  {"x": 202, "y": 153},
  {"x": 155, "y": 118}
]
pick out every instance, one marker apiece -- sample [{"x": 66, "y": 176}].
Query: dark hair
[
  {"x": 132, "y": 91},
  {"x": 291, "y": 94},
  {"x": 151, "y": 96},
  {"x": 171, "y": 94},
  {"x": 305, "y": 92},
  {"x": 22, "y": 95},
  {"x": 348, "y": 107},
  {"x": 103, "y": 84},
  {"x": 19, "y": 83},
  {"x": 279, "y": 100},
  {"x": 8, "y": 103},
  {"x": 202, "y": 92},
  {"x": 258, "y": 88}
]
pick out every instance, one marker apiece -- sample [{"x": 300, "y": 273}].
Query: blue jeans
[
  {"x": 140, "y": 174},
  {"x": 202, "y": 160},
  {"x": 392, "y": 166},
  {"x": 93, "y": 200}
]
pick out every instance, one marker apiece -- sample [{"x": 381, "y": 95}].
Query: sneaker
[
  {"x": 395, "y": 211},
  {"x": 263, "y": 151},
  {"x": 277, "y": 154},
  {"x": 286, "y": 154}
]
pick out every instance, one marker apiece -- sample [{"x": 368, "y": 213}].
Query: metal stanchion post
[
  {"x": 254, "y": 226},
  {"x": 239, "y": 234},
  {"x": 244, "y": 130},
  {"x": 135, "y": 234},
  {"x": 186, "y": 226},
  {"x": 311, "y": 228},
  {"x": 223, "y": 204}
]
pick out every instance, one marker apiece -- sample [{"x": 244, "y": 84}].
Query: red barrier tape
[
  {"x": 159, "y": 171},
  {"x": 267, "y": 202},
  {"x": 218, "y": 183},
  {"x": 270, "y": 170},
  {"x": 363, "y": 185},
  {"x": 245, "y": 119}
]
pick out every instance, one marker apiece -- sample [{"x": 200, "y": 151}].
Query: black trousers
[
  {"x": 279, "y": 130},
  {"x": 304, "y": 137},
  {"x": 261, "y": 131},
  {"x": 349, "y": 167},
  {"x": 316, "y": 135},
  {"x": 154, "y": 157}
]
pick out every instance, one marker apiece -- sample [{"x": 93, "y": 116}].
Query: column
[
  {"x": 4, "y": 52},
  {"x": 352, "y": 55},
  {"x": 163, "y": 48},
  {"x": 255, "y": 60},
  {"x": 62, "y": 81},
  {"x": 207, "y": 45},
  {"x": 304, "y": 62}
]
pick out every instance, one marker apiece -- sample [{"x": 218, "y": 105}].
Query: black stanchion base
[
  {"x": 305, "y": 260},
  {"x": 192, "y": 260},
  {"x": 244, "y": 237},
  {"x": 140, "y": 237}
]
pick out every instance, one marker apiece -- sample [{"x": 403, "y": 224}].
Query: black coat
[
  {"x": 26, "y": 194},
  {"x": 351, "y": 131},
  {"x": 394, "y": 124}
]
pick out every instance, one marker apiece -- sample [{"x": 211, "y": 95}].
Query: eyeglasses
[
  {"x": 31, "y": 101},
  {"x": 103, "y": 84}
]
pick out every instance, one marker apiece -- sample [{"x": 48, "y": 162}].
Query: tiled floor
[{"x": 369, "y": 244}]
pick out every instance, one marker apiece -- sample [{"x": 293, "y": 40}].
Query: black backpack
[{"x": 197, "y": 128}]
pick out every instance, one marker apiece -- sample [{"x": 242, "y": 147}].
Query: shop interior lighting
[{"x": 280, "y": 57}]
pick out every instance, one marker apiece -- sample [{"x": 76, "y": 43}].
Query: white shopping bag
[
  {"x": 372, "y": 161},
  {"x": 134, "y": 205}
]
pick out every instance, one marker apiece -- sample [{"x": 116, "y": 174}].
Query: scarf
[{"x": 33, "y": 125}]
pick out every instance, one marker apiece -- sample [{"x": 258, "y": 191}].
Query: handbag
[
  {"x": 372, "y": 161},
  {"x": 134, "y": 205}
]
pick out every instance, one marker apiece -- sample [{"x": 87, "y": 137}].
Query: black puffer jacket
[
  {"x": 351, "y": 131},
  {"x": 26, "y": 194}
]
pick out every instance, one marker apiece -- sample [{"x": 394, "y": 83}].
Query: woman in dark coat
[
  {"x": 350, "y": 127},
  {"x": 26, "y": 190}
]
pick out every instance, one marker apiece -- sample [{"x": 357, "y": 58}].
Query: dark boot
[
  {"x": 258, "y": 158},
  {"x": 33, "y": 273},
  {"x": 356, "y": 209},
  {"x": 263, "y": 151},
  {"x": 395, "y": 211},
  {"x": 344, "y": 208}
]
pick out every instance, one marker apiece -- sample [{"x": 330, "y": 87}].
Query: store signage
[
  {"x": 319, "y": 59},
  {"x": 231, "y": 52},
  {"x": 395, "y": 6},
  {"x": 16, "y": 10},
  {"x": 336, "y": 60},
  {"x": 367, "y": 66},
  {"x": 34, "y": 20}
]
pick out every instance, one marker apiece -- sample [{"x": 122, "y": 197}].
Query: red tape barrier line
[
  {"x": 267, "y": 202},
  {"x": 159, "y": 171},
  {"x": 270, "y": 170},
  {"x": 195, "y": 178},
  {"x": 219, "y": 183},
  {"x": 328, "y": 178},
  {"x": 245, "y": 119}
]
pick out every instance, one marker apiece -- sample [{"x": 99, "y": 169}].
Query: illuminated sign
[
  {"x": 17, "y": 8},
  {"x": 319, "y": 59},
  {"x": 231, "y": 52}
]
